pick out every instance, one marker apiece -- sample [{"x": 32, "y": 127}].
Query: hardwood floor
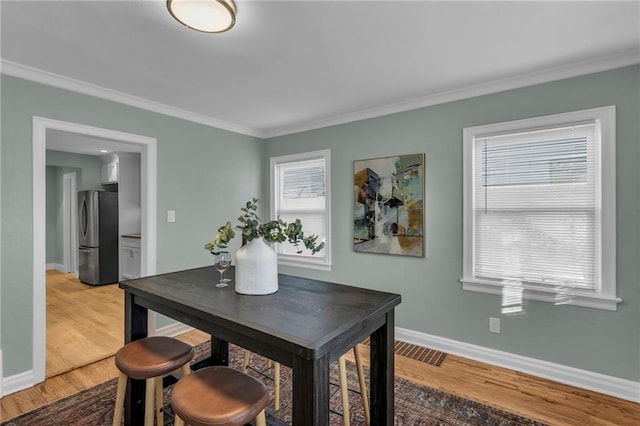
[
  {"x": 519, "y": 393},
  {"x": 526, "y": 395},
  {"x": 84, "y": 323}
]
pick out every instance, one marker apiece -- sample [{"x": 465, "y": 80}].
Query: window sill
[
  {"x": 299, "y": 263},
  {"x": 532, "y": 292}
]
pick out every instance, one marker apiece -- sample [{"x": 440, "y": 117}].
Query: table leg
[
  {"x": 135, "y": 327},
  {"x": 310, "y": 391},
  {"x": 219, "y": 351},
  {"x": 219, "y": 354},
  {"x": 382, "y": 373}
]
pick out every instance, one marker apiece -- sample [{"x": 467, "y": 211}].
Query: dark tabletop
[{"x": 304, "y": 312}]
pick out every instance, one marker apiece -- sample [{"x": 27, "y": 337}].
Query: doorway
[{"x": 148, "y": 158}]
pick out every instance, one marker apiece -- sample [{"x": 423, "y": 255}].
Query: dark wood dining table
[{"x": 306, "y": 325}]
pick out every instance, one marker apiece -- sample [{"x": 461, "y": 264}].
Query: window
[
  {"x": 300, "y": 189},
  {"x": 539, "y": 209}
]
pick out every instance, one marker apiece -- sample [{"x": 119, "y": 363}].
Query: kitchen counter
[{"x": 131, "y": 256}]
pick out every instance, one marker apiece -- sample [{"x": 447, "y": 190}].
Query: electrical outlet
[
  {"x": 494, "y": 325},
  {"x": 171, "y": 215}
]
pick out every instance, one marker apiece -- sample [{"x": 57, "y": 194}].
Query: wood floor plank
[
  {"x": 519, "y": 393},
  {"x": 84, "y": 323}
]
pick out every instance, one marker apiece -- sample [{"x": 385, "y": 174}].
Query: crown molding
[
  {"x": 619, "y": 60},
  {"x": 15, "y": 69}
]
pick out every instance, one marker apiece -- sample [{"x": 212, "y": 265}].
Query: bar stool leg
[
  {"x": 261, "y": 420},
  {"x": 344, "y": 390},
  {"x": 186, "y": 369},
  {"x": 122, "y": 388},
  {"x": 159, "y": 401},
  {"x": 178, "y": 421},
  {"x": 148, "y": 402},
  {"x": 276, "y": 387},
  {"x": 363, "y": 385},
  {"x": 245, "y": 363}
]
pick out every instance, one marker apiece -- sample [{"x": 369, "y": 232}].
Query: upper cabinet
[{"x": 109, "y": 169}]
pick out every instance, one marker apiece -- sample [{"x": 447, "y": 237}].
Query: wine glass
[
  {"x": 225, "y": 279},
  {"x": 222, "y": 261}
]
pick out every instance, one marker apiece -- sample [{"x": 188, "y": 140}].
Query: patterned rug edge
[{"x": 415, "y": 405}]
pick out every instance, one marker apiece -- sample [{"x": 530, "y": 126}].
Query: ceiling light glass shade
[{"x": 209, "y": 16}]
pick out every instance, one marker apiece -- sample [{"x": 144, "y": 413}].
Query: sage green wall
[
  {"x": 87, "y": 169},
  {"x": 433, "y": 301},
  {"x": 203, "y": 174}
]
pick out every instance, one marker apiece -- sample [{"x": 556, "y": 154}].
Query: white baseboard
[
  {"x": 17, "y": 382},
  {"x": 173, "y": 330},
  {"x": 608, "y": 385},
  {"x": 56, "y": 266}
]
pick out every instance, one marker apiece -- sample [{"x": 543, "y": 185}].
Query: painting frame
[{"x": 388, "y": 212}]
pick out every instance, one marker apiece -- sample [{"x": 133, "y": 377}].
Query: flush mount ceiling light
[{"x": 208, "y": 16}]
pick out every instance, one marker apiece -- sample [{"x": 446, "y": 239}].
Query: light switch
[{"x": 171, "y": 215}]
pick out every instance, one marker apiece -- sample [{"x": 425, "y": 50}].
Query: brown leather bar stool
[
  {"x": 344, "y": 390},
  {"x": 219, "y": 396},
  {"x": 149, "y": 359}
]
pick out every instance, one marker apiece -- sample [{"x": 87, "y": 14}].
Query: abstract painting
[{"x": 388, "y": 213}]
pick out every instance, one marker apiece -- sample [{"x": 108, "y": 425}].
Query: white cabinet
[
  {"x": 109, "y": 172},
  {"x": 131, "y": 258}
]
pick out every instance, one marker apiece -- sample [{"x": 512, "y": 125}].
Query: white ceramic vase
[{"x": 256, "y": 268}]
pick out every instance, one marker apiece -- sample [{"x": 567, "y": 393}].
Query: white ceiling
[
  {"x": 59, "y": 140},
  {"x": 293, "y": 65}
]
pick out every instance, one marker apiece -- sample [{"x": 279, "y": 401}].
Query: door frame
[
  {"x": 69, "y": 223},
  {"x": 148, "y": 192}
]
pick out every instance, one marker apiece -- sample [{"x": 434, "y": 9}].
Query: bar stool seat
[
  {"x": 219, "y": 396},
  {"x": 149, "y": 359}
]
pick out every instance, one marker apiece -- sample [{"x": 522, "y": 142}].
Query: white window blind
[
  {"x": 540, "y": 208},
  {"x": 302, "y": 182},
  {"x": 535, "y": 206},
  {"x": 300, "y": 191}
]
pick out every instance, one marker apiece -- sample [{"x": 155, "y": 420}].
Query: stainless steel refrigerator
[{"x": 98, "y": 237}]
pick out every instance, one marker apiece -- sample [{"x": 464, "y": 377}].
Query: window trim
[
  {"x": 322, "y": 263},
  {"x": 604, "y": 296}
]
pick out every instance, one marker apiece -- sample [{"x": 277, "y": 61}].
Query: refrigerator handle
[{"x": 83, "y": 218}]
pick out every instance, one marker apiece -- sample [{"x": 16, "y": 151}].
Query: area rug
[{"x": 414, "y": 404}]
